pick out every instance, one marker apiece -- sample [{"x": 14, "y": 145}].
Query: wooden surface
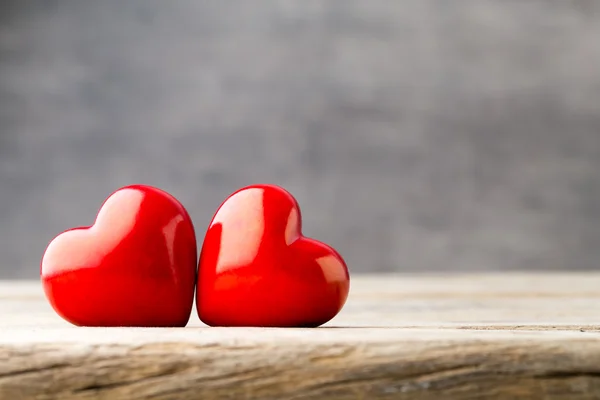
[{"x": 505, "y": 336}]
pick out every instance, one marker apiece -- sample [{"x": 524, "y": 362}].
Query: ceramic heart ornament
[
  {"x": 136, "y": 266},
  {"x": 256, "y": 268}
]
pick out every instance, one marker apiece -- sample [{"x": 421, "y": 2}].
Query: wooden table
[{"x": 505, "y": 336}]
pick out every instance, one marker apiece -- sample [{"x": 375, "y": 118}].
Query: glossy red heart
[
  {"x": 256, "y": 268},
  {"x": 136, "y": 266}
]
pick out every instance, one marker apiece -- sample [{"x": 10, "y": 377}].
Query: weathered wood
[{"x": 533, "y": 336}]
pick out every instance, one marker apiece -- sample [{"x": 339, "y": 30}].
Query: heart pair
[{"x": 137, "y": 265}]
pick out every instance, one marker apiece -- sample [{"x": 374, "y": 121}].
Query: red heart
[
  {"x": 136, "y": 266},
  {"x": 256, "y": 268}
]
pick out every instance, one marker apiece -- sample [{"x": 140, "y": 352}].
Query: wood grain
[{"x": 534, "y": 336}]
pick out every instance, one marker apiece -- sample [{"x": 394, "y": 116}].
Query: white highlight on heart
[
  {"x": 243, "y": 224},
  {"x": 169, "y": 232},
  {"x": 292, "y": 229},
  {"x": 333, "y": 270},
  {"x": 85, "y": 247}
]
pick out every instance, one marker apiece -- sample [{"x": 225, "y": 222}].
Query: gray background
[{"x": 417, "y": 135}]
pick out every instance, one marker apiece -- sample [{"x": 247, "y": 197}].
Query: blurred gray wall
[{"x": 417, "y": 135}]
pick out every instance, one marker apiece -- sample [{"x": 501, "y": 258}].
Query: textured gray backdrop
[{"x": 417, "y": 134}]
